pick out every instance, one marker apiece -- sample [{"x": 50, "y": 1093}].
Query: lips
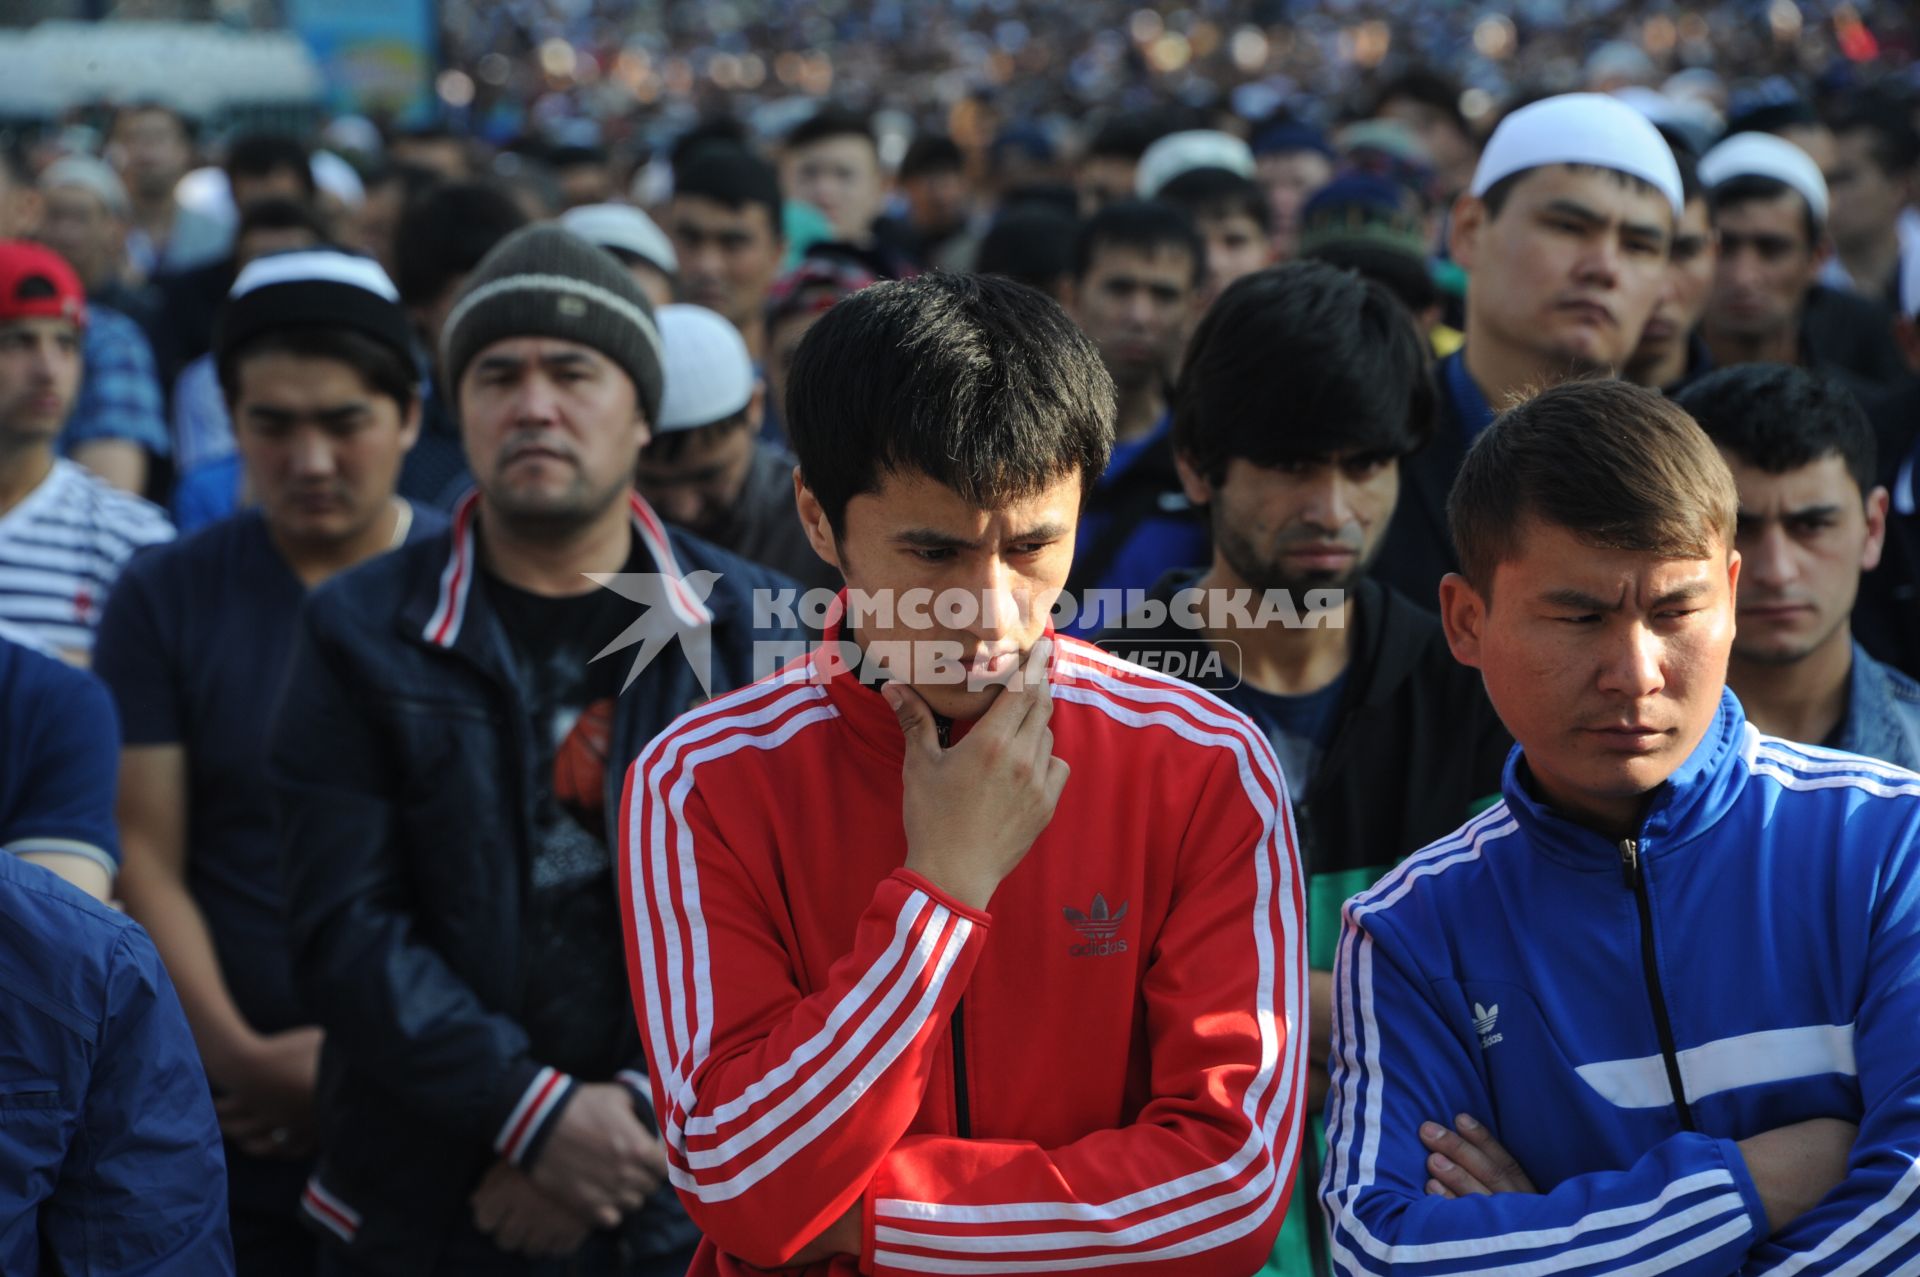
[{"x": 1593, "y": 312}]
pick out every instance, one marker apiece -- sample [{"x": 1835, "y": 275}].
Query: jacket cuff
[
  {"x": 533, "y": 1117},
  {"x": 640, "y": 1087}
]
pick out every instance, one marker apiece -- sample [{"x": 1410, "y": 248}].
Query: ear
[
  {"x": 1876, "y": 510},
  {"x": 643, "y": 429},
  {"x": 1198, "y": 488},
  {"x": 1463, "y": 615},
  {"x": 813, "y": 518},
  {"x": 410, "y": 427},
  {"x": 1469, "y": 222}
]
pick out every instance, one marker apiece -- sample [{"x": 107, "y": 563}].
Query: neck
[
  {"x": 1779, "y": 347},
  {"x": 1804, "y": 701},
  {"x": 315, "y": 561},
  {"x": 1872, "y": 262},
  {"x": 1504, "y": 373},
  {"x": 1141, "y": 408},
  {"x": 23, "y": 467},
  {"x": 538, "y": 560},
  {"x": 1663, "y": 370},
  {"x": 754, "y": 332},
  {"x": 1278, "y": 659}
]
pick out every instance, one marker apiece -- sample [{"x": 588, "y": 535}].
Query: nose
[
  {"x": 536, "y": 402},
  {"x": 1003, "y": 603},
  {"x": 1767, "y": 558},
  {"x": 1600, "y": 264},
  {"x": 1329, "y": 500},
  {"x": 1631, "y": 664},
  {"x": 312, "y": 454}
]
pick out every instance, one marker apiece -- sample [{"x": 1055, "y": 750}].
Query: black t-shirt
[{"x": 577, "y": 1009}]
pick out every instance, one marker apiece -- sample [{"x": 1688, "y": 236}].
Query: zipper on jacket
[
  {"x": 962, "y": 1119},
  {"x": 1635, "y": 876}
]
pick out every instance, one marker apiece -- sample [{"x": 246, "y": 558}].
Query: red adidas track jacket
[{"x": 1104, "y": 1074}]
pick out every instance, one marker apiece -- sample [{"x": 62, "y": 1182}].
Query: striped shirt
[{"x": 62, "y": 547}]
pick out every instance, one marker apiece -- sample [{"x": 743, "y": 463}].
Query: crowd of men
[{"x": 1418, "y": 774}]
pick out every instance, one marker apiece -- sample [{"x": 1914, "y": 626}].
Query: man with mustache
[
  {"x": 1565, "y": 231},
  {"x": 449, "y": 756},
  {"x": 1812, "y": 520},
  {"x": 1297, "y": 463}
]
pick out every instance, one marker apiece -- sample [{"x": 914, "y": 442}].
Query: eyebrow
[
  {"x": 1593, "y": 217},
  {"x": 514, "y": 363},
  {"x": 1804, "y": 512},
  {"x": 1581, "y": 601},
  {"x": 934, "y": 539},
  {"x": 336, "y": 412}
]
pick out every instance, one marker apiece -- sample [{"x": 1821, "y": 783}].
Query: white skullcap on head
[
  {"x": 1178, "y": 153},
  {"x": 1764, "y": 155},
  {"x": 1580, "y": 128},
  {"x": 623, "y": 227},
  {"x": 709, "y": 373}
]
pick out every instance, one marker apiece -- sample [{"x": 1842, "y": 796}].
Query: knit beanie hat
[{"x": 544, "y": 281}]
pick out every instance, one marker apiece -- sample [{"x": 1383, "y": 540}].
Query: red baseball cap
[{"x": 37, "y": 283}]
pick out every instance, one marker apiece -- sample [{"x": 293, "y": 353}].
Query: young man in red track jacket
[{"x": 943, "y": 975}]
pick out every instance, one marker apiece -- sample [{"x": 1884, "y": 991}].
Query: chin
[{"x": 955, "y": 701}]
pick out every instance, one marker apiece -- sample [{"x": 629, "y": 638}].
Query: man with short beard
[
  {"x": 449, "y": 757},
  {"x": 1297, "y": 462}
]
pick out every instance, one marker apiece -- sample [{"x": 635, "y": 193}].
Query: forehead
[
  {"x": 912, "y": 498},
  {"x": 1158, "y": 262},
  {"x": 841, "y": 148},
  {"x": 75, "y": 197},
  {"x": 40, "y": 327},
  {"x": 283, "y": 374},
  {"x": 526, "y": 350},
  {"x": 1696, "y": 219},
  {"x": 1823, "y": 481},
  {"x": 1604, "y": 191},
  {"x": 1783, "y": 211},
  {"x": 1548, "y": 556},
  {"x": 709, "y": 214}
]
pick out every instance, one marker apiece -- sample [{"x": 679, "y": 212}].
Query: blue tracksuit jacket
[{"x": 1620, "y": 1013}]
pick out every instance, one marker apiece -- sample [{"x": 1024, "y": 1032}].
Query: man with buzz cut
[
  {"x": 1565, "y": 232},
  {"x": 1655, "y": 1012},
  {"x": 923, "y": 989}
]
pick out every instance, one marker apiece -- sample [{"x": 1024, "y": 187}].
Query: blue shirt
[
  {"x": 1298, "y": 727},
  {"x": 1469, "y": 401},
  {"x": 59, "y": 763},
  {"x": 1168, "y": 534},
  {"x": 108, "y": 1146},
  {"x": 202, "y": 432},
  {"x": 207, "y": 494},
  {"x": 194, "y": 646},
  {"x": 119, "y": 387}
]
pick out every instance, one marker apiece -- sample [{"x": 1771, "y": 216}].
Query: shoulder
[
  {"x": 762, "y": 715},
  {"x": 61, "y": 922},
  {"x": 33, "y": 681},
  {"x": 1130, "y": 697},
  {"x": 170, "y": 565},
  {"x": 1805, "y": 774},
  {"x": 1438, "y": 886},
  {"x": 110, "y": 329},
  {"x": 367, "y": 595},
  {"x": 108, "y": 509},
  {"x": 738, "y": 577}
]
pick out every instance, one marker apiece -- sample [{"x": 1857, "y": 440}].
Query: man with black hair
[
  {"x": 152, "y": 146},
  {"x": 727, "y": 228},
  {"x": 315, "y": 356},
  {"x": 1106, "y": 170},
  {"x": 435, "y": 148},
  {"x": 582, "y": 174},
  {"x": 831, "y": 161},
  {"x": 1812, "y": 520},
  {"x": 1031, "y": 244},
  {"x": 447, "y": 766},
  {"x": 1770, "y": 208},
  {"x": 1874, "y": 222},
  {"x": 1565, "y": 231},
  {"x": 1137, "y": 272},
  {"x": 1428, "y": 102},
  {"x": 442, "y": 237},
  {"x": 939, "y": 203},
  {"x": 1291, "y": 161},
  {"x": 881, "y": 1070},
  {"x": 1234, "y": 219},
  {"x": 1296, "y": 462},
  {"x": 264, "y": 166},
  {"x": 1671, "y": 351}
]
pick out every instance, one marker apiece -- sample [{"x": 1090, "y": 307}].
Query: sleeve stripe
[
  {"x": 1901, "y": 1235},
  {"x": 852, "y": 1047},
  {"x": 542, "y": 1096},
  {"x": 912, "y": 912},
  {"x": 1277, "y": 909},
  {"x": 64, "y": 847},
  {"x": 910, "y": 1028}
]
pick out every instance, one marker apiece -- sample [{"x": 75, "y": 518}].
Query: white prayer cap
[
  {"x": 1764, "y": 155},
  {"x": 338, "y": 178},
  {"x": 1580, "y": 128},
  {"x": 626, "y": 228},
  {"x": 709, "y": 373},
  {"x": 1178, "y": 153}
]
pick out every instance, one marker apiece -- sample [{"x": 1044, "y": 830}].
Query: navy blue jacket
[
  {"x": 403, "y": 759},
  {"x": 1621, "y": 1013},
  {"x": 109, "y": 1153}
]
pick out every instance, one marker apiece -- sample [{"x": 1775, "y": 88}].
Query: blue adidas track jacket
[{"x": 1620, "y": 1013}]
